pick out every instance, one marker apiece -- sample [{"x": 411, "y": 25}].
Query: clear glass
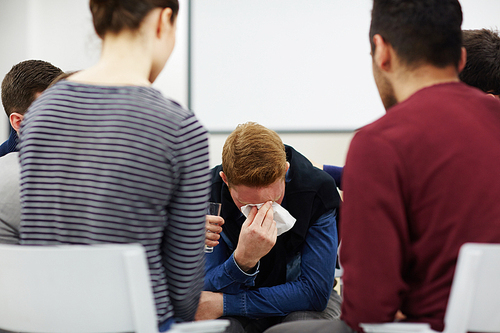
[{"x": 212, "y": 209}]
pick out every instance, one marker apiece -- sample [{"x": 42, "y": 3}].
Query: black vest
[{"x": 309, "y": 194}]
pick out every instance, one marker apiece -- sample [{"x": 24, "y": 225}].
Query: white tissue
[{"x": 284, "y": 220}]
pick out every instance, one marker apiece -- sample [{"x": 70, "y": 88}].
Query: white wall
[
  {"x": 60, "y": 31},
  {"x": 13, "y": 43},
  {"x": 323, "y": 148},
  {"x": 286, "y": 64}
]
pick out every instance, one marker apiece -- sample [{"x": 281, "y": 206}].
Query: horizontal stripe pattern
[{"x": 104, "y": 164}]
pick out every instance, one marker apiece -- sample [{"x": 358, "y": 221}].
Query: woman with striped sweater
[{"x": 105, "y": 158}]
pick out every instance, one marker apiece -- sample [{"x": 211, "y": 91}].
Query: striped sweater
[{"x": 119, "y": 164}]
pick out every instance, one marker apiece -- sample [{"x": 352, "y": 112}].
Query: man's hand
[
  {"x": 213, "y": 226},
  {"x": 211, "y": 306},
  {"x": 399, "y": 316},
  {"x": 257, "y": 237}
]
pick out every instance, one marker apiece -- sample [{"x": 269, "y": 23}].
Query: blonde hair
[{"x": 254, "y": 156}]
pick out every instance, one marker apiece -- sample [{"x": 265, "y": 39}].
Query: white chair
[
  {"x": 474, "y": 303},
  {"x": 71, "y": 288},
  {"x": 339, "y": 272}
]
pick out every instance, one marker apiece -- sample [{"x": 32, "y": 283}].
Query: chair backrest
[
  {"x": 72, "y": 288},
  {"x": 474, "y": 303}
]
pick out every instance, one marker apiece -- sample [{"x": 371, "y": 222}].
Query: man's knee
[
  {"x": 313, "y": 326},
  {"x": 331, "y": 312}
]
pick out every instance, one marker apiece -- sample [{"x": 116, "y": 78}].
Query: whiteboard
[{"x": 291, "y": 65}]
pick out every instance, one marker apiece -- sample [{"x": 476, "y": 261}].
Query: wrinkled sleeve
[
  {"x": 223, "y": 273},
  {"x": 185, "y": 232},
  {"x": 374, "y": 231}
]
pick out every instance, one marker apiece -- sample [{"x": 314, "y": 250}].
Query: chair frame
[
  {"x": 76, "y": 288},
  {"x": 474, "y": 301}
]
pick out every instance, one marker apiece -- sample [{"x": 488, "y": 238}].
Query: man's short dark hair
[
  {"x": 482, "y": 69},
  {"x": 24, "y": 81},
  {"x": 420, "y": 31}
]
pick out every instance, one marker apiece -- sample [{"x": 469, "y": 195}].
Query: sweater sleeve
[
  {"x": 374, "y": 232},
  {"x": 185, "y": 231}
]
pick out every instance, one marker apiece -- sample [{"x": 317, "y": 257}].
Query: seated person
[
  {"x": 274, "y": 262},
  {"x": 20, "y": 87},
  {"x": 420, "y": 181},
  {"x": 10, "y": 206}
]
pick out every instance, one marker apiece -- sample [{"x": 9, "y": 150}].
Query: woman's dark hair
[
  {"x": 420, "y": 31},
  {"x": 117, "y": 15}
]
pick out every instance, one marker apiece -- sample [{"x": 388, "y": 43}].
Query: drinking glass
[{"x": 212, "y": 209}]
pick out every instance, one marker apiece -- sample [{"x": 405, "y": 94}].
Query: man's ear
[
  {"x": 463, "y": 60},
  {"x": 383, "y": 54},
  {"x": 15, "y": 120},
  {"x": 224, "y": 178}
]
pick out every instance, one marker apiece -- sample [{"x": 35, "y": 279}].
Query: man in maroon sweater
[{"x": 422, "y": 180}]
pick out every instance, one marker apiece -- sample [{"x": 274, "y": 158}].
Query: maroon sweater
[{"x": 418, "y": 183}]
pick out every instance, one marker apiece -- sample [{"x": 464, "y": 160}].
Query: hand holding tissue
[
  {"x": 257, "y": 237},
  {"x": 284, "y": 220}
]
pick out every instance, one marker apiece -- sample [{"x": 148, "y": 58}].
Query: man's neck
[{"x": 410, "y": 81}]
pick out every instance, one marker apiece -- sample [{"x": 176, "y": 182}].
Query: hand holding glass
[{"x": 213, "y": 209}]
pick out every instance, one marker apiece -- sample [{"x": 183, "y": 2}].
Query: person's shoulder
[
  {"x": 172, "y": 106},
  {"x": 399, "y": 120},
  {"x": 215, "y": 173},
  {"x": 154, "y": 99},
  {"x": 14, "y": 156},
  {"x": 216, "y": 183},
  {"x": 441, "y": 97},
  {"x": 4, "y": 148},
  {"x": 304, "y": 173},
  {"x": 166, "y": 112},
  {"x": 306, "y": 181}
]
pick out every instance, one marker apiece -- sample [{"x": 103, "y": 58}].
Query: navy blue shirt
[
  {"x": 10, "y": 145},
  {"x": 335, "y": 172}
]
